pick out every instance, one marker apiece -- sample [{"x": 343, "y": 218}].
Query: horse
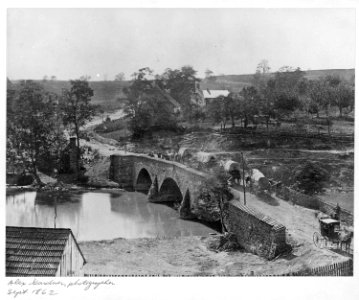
[{"x": 345, "y": 238}]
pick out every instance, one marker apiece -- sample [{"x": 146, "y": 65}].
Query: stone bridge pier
[{"x": 161, "y": 180}]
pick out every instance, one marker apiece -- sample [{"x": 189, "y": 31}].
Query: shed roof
[
  {"x": 32, "y": 251},
  {"x": 266, "y": 219},
  {"x": 212, "y": 94},
  {"x": 167, "y": 96}
]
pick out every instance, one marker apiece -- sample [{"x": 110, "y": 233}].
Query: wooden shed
[{"x": 42, "y": 252}]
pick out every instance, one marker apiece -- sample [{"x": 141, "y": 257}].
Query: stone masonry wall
[
  {"x": 254, "y": 231},
  {"x": 122, "y": 171}
]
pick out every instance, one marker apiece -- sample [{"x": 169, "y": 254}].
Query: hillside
[
  {"x": 111, "y": 91},
  {"x": 237, "y": 82},
  {"x": 104, "y": 91}
]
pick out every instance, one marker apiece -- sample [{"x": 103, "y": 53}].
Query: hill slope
[
  {"x": 110, "y": 91},
  {"x": 237, "y": 82}
]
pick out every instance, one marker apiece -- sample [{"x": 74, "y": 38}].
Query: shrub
[
  {"x": 311, "y": 178},
  {"x": 25, "y": 180}
]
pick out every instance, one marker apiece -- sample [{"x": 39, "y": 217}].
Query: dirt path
[{"x": 300, "y": 222}]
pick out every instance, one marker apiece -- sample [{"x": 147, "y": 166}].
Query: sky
[{"x": 70, "y": 43}]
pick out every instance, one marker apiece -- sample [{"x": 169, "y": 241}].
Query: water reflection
[{"x": 97, "y": 215}]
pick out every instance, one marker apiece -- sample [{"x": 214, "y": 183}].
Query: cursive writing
[{"x": 52, "y": 287}]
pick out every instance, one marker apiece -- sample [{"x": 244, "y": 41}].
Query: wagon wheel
[{"x": 318, "y": 240}]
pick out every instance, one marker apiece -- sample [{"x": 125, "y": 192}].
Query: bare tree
[
  {"x": 208, "y": 73},
  {"x": 120, "y": 77}
]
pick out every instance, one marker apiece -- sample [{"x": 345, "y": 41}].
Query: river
[{"x": 99, "y": 215}]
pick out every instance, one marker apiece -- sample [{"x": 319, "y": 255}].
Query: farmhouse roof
[
  {"x": 167, "y": 96},
  {"x": 34, "y": 251},
  {"x": 212, "y": 94}
]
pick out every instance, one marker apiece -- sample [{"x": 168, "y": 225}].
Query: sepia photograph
[{"x": 201, "y": 142}]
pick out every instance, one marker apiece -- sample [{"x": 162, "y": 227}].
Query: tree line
[
  {"x": 37, "y": 122},
  {"x": 271, "y": 97},
  {"x": 283, "y": 95}
]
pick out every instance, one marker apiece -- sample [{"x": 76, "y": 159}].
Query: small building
[
  {"x": 69, "y": 157},
  {"x": 211, "y": 95},
  {"x": 42, "y": 252}
]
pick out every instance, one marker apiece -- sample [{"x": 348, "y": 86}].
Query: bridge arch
[
  {"x": 143, "y": 181},
  {"x": 170, "y": 191}
]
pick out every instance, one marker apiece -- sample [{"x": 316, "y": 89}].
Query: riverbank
[{"x": 191, "y": 256}]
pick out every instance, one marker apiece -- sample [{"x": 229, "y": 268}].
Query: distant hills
[
  {"x": 103, "y": 90},
  {"x": 236, "y": 82},
  {"x": 109, "y": 91}
]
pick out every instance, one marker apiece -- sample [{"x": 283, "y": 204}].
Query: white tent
[
  {"x": 205, "y": 157},
  {"x": 231, "y": 165}
]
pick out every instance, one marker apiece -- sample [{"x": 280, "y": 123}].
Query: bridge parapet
[{"x": 125, "y": 170}]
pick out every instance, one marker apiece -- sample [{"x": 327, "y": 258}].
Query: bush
[
  {"x": 311, "y": 178},
  {"x": 83, "y": 179},
  {"x": 25, "y": 180}
]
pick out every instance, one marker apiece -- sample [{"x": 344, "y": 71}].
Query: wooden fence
[{"x": 337, "y": 269}]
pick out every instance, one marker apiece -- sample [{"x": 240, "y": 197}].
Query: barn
[
  {"x": 42, "y": 252},
  {"x": 212, "y": 95}
]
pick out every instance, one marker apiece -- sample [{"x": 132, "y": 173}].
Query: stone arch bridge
[
  {"x": 162, "y": 180},
  {"x": 165, "y": 181}
]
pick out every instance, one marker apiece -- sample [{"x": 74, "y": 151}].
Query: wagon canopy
[
  {"x": 184, "y": 152},
  {"x": 205, "y": 157},
  {"x": 231, "y": 165},
  {"x": 256, "y": 174}
]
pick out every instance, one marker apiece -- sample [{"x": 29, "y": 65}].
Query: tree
[
  {"x": 341, "y": 93},
  {"x": 208, "y": 73},
  {"x": 33, "y": 129},
  {"x": 289, "y": 88},
  {"x": 261, "y": 75},
  {"x": 120, "y": 77},
  {"x": 317, "y": 96},
  {"x": 213, "y": 194},
  {"x": 311, "y": 178},
  {"x": 53, "y": 78},
  {"x": 248, "y": 104},
  {"x": 321, "y": 96},
  {"x": 181, "y": 84},
  {"x": 266, "y": 103},
  {"x": 76, "y": 109},
  {"x": 147, "y": 105},
  {"x": 232, "y": 101},
  {"x": 219, "y": 111}
]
